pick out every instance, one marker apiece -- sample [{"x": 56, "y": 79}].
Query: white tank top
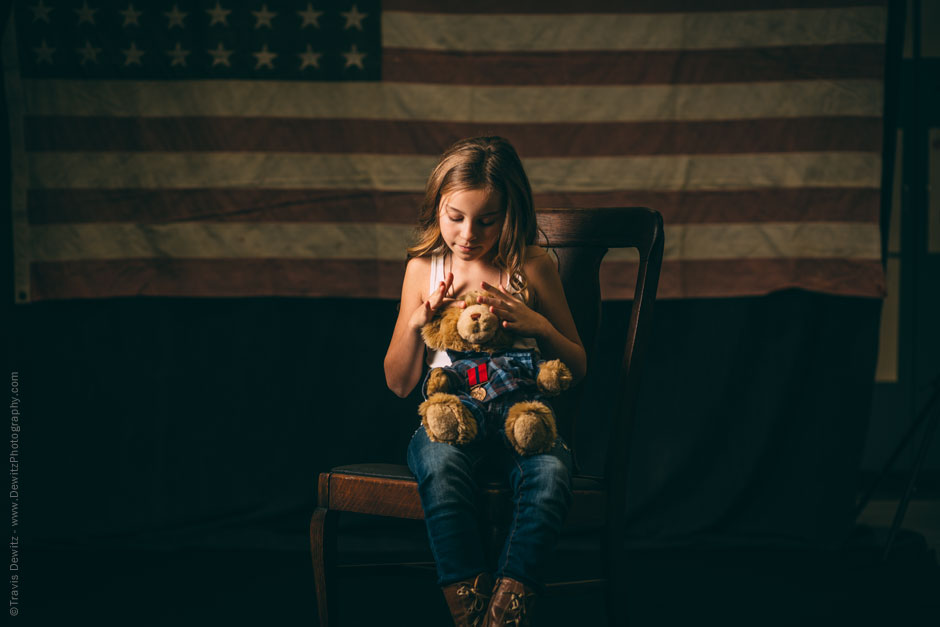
[{"x": 439, "y": 359}]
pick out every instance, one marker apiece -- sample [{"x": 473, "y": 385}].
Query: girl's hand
[
  {"x": 423, "y": 314},
  {"x": 515, "y": 314}
]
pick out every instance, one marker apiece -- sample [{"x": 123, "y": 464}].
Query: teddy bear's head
[{"x": 472, "y": 328}]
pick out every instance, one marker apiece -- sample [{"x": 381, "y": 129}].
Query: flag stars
[
  {"x": 265, "y": 58},
  {"x": 41, "y": 12},
  {"x": 88, "y": 52},
  {"x": 132, "y": 55},
  {"x": 354, "y": 57},
  {"x": 175, "y": 18},
  {"x": 309, "y": 58},
  {"x": 44, "y": 53},
  {"x": 86, "y": 14},
  {"x": 310, "y": 17},
  {"x": 177, "y": 55},
  {"x": 263, "y": 17},
  {"x": 130, "y": 16},
  {"x": 219, "y": 16},
  {"x": 354, "y": 18},
  {"x": 220, "y": 55}
]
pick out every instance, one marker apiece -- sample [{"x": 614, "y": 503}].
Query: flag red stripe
[
  {"x": 643, "y": 67},
  {"x": 274, "y": 205},
  {"x": 144, "y": 206},
  {"x": 195, "y": 134},
  {"x": 328, "y": 278},
  {"x": 612, "y": 6},
  {"x": 720, "y": 278},
  {"x": 382, "y": 280}
]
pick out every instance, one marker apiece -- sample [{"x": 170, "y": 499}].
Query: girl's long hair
[{"x": 490, "y": 164}]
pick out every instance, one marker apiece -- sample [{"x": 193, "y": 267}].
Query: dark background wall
[{"x": 165, "y": 423}]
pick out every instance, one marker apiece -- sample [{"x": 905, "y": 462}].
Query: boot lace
[
  {"x": 515, "y": 612},
  {"x": 475, "y": 602}
]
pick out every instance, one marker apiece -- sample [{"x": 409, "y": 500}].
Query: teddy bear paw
[
  {"x": 445, "y": 419},
  {"x": 530, "y": 428},
  {"x": 554, "y": 377}
]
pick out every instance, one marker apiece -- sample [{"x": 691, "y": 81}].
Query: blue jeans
[{"x": 447, "y": 482}]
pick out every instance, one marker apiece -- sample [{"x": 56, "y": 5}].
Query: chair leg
[{"x": 323, "y": 551}]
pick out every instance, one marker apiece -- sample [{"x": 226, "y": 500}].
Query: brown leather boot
[
  {"x": 511, "y": 604},
  {"x": 469, "y": 599}
]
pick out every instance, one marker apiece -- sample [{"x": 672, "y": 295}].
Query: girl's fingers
[
  {"x": 502, "y": 312},
  {"x": 437, "y": 296},
  {"x": 489, "y": 289},
  {"x": 493, "y": 300}
]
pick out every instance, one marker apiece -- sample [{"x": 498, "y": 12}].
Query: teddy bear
[{"x": 489, "y": 383}]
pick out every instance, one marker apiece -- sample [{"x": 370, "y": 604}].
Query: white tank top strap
[{"x": 437, "y": 272}]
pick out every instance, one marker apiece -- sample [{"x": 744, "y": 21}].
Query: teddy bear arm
[
  {"x": 440, "y": 381},
  {"x": 554, "y": 377}
]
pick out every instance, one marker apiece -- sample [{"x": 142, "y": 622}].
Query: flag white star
[
  {"x": 264, "y": 17},
  {"x": 88, "y": 52},
  {"x": 310, "y": 17},
  {"x": 309, "y": 58},
  {"x": 265, "y": 58},
  {"x": 41, "y": 12},
  {"x": 176, "y": 17},
  {"x": 354, "y": 57},
  {"x": 220, "y": 56},
  {"x": 132, "y": 55},
  {"x": 86, "y": 13},
  {"x": 44, "y": 53},
  {"x": 178, "y": 55},
  {"x": 218, "y": 15},
  {"x": 354, "y": 18},
  {"x": 130, "y": 16}
]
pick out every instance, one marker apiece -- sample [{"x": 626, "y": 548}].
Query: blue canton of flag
[{"x": 204, "y": 39}]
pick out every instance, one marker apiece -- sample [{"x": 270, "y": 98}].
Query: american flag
[{"x": 280, "y": 148}]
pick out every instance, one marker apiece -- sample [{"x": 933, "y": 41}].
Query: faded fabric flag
[{"x": 206, "y": 149}]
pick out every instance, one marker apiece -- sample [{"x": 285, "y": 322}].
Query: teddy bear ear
[
  {"x": 441, "y": 332},
  {"x": 471, "y": 297},
  {"x": 431, "y": 333}
]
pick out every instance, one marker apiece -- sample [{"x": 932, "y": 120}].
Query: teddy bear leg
[
  {"x": 530, "y": 427},
  {"x": 445, "y": 419}
]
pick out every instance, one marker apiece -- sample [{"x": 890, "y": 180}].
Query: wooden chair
[{"x": 580, "y": 237}]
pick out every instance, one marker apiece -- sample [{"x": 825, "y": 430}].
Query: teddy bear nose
[{"x": 474, "y": 316}]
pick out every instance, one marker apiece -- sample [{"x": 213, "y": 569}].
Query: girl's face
[{"x": 471, "y": 221}]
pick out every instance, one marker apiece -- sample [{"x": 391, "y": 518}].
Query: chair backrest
[{"x": 581, "y": 238}]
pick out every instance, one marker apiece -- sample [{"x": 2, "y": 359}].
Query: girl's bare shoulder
[
  {"x": 538, "y": 262},
  {"x": 417, "y": 275}
]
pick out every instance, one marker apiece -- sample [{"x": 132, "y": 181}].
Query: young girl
[{"x": 476, "y": 231}]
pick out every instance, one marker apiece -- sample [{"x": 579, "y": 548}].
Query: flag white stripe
[
  {"x": 454, "y": 103},
  {"x": 160, "y": 170},
  {"x": 388, "y": 241},
  {"x": 662, "y": 31}
]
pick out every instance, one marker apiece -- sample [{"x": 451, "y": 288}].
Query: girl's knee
[
  {"x": 548, "y": 476},
  {"x": 429, "y": 459}
]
